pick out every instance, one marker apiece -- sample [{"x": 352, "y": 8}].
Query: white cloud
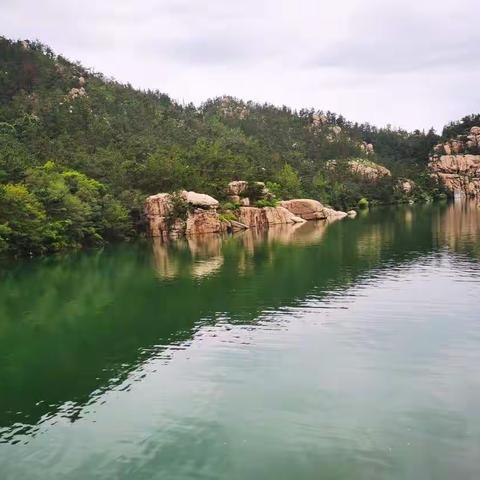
[{"x": 404, "y": 62}]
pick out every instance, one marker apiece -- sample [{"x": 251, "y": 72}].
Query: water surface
[{"x": 348, "y": 351}]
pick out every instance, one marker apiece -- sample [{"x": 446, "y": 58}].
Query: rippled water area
[{"x": 341, "y": 351}]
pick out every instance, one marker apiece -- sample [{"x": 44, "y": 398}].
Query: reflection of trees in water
[{"x": 73, "y": 327}]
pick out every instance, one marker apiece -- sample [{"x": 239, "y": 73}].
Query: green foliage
[
  {"x": 266, "y": 203},
  {"x": 23, "y": 220},
  {"x": 179, "y": 209},
  {"x": 274, "y": 188},
  {"x": 230, "y": 206},
  {"x": 460, "y": 127},
  {"x": 227, "y": 217},
  {"x": 254, "y": 191},
  {"x": 289, "y": 182},
  {"x": 363, "y": 203}
]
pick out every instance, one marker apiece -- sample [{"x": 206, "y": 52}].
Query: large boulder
[
  {"x": 309, "y": 209},
  {"x": 331, "y": 214},
  {"x": 280, "y": 216},
  {"x": 305, "y": 208},
  {"x": 200, "y": 200},
  {"x": 237, "y": 187},
  {"x": 266, "y": 216}
]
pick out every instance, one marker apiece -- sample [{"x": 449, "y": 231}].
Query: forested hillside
[{"x": 80, "y": 152}]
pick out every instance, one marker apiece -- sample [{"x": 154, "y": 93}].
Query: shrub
[
  {"x": 227, "y": 217},
  {"x": 230, "y": 206},
  {"x": 266, "y": 203},
  {"x": 179, "y": 209},
  {"x": 363, "y": 203}
]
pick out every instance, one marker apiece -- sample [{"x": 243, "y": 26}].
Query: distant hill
[{"x": 79, "y": 152}]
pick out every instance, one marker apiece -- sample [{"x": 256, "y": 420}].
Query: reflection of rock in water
[
  {"x": 205, "y": 256},
  {"x": 206, "y": 252},
  {"x": 166, "y": 265},
  {"x": 205, "y": 268},
  {"x": 459, "y": 226},
  {"x": 303, "y": 233},
  {"x": 205, "y": 245}
]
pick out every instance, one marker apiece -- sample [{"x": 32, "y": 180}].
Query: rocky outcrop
[
  {"x": 191, "y": 213},
  {"x": 456, "y": 164},
  {"x": 76, "y": 92},
  {"x": 237, "y": 187},
  {"x": 200, "y": 200},
  {"x": 332, "y": 214},
  {"x": 362, "y": 167},
  {"x": 309, "y": 209},
  {"x": 202, "y": 221},
  {"x": 370, "y": 170},
  {"x": 406, "y": 185},
  {"x": 238, "y": 191},
  {"x": 266, "y": 216},
  {"x": 367, "y": 148},
  {"x": 305, "y": 208},
  {"x": 201, "y": 215},
  {"x": 469, "y": 143},
  {"x": 251, "y": 216},
  {"x": 458, "y": 173}
]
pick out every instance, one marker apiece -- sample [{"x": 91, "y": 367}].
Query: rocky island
[{"x": 187, "y": 213}]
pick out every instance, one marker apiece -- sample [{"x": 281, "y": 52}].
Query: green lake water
[{"x": 348, "y": 351}]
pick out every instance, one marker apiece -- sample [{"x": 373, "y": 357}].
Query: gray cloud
[
  {"x": 398, "y": 39},
  {"x": 410, "y": 63}
]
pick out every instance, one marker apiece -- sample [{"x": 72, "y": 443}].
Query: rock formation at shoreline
[
  {"x": 309, "y": 209},
  {"x": 191, "y": 213},
  {"x": 456, "y": 163}
]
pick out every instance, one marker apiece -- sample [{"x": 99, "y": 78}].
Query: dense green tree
[
  {"x": 22, "y": 220},
  {"x": 289, "y": 182}
]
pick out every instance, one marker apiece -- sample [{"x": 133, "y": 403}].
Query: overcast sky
[{"x": 410, "y": 63}]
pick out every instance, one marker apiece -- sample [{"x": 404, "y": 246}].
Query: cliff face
[{"x": 456, "y": 163}]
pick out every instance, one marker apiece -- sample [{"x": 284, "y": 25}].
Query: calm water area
[{"x": 341, "y": 351}]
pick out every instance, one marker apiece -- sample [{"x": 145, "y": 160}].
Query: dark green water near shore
[{"x": 348, "y": 351}]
